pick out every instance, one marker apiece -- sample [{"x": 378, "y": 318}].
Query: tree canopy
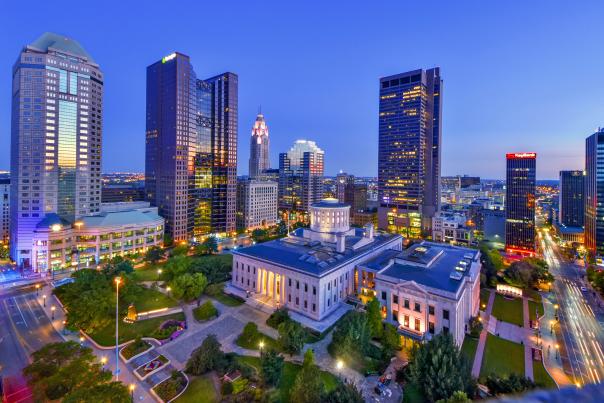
[
  {"x": 308, "y": 386},
  {"x": 271, "y": 366},
  {"x": 207, "y": 357},
  {"x": 291, "y": 336},
  {"x": 188, "y": 286},
  {"x": 528, "y": 272}
]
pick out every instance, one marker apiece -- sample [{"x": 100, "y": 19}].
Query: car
[{"x": 584, "y": 289}]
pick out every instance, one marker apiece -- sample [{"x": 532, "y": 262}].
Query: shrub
[
  {"x": 205, "y": 312},
  {"x": 226, "y": 388},
  {"x": 214, "y": 289},
  {"x": 279, "y": 316}
]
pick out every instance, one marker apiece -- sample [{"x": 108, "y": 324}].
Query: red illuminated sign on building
[{"x": 518, "y": 156}]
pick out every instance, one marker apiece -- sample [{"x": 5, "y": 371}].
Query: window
[
  {"x": 395, "y": 316},
  {"x": 446, "y": 314},
  {"x": 297, "y": 285},
  {"x": 314, "y": 307},
  {"x": 431, "y": 327},
  {"x": 417, "y": 307},
  {"x": 297, "y": 301},
  {"x": 406, "y": 321},
  {"x": 417, "y": 325},
  {"x": 290, "y": 282},
  {"x": 383, "y": 294},
  {"x": 406, "y": 304},
  {"x": 289, "y": 298},
  {"x": 314, "y": 290},
  {"x": 395, "y": 299},
  {"x": 430, "y": 309},
  {"x": 305, "y": 287},
  {"x": 305, "y": 304},
  {"x": 445, "y": 330}
]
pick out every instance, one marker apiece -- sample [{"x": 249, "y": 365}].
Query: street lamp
[
  {"x": 44, "y": 299},
  {"x": 81, "y": 340},
  {"x": 63, "y": 327},
  {"x": 117, "y": 304},
  {"x": 37, "y": 289},
  {"x": 52, "y": 311},
  {"x": 261, "y": 345},
  {"x": 168, "y": 289},
  {"x": 339, "y": 366},
  {"x": 103, "y": 361},
  {"x": 557, "y": 350},
  {"x": 132, "y": 386},
  {"x": 158, "y": 273}
]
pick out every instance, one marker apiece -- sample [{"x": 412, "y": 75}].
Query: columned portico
[{"x": 270, "y": 284}]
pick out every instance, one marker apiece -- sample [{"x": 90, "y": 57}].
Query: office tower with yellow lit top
[
  {"x": 410, "y": 125},
  {"x": 57, "y": 97}
]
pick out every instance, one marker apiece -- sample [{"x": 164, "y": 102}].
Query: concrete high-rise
[
  {"x": 259, "y": 148},
  {"x": 191, "y": 148},
  {"x": 571, "y": 206},
  {"x": 594, "y": 193},
  {"x": 410, "y": 126},
  {"x": 300, "y": 176},
  {"x": 57, "y": 96},
  {"x": 520, "y": 203}
]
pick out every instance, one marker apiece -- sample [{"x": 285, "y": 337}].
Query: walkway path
[
  {"x": 486, "y": 316},
  {"x": 528, "y": 344},
  {"x": 551, "y": 359}
]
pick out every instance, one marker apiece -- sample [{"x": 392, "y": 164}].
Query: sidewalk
[
  {"x": 486, "y": 316},
  {"x": 141, "y": 393},
  {"x": 528, "y": 344},
  {"x": 552, "y": 364}
]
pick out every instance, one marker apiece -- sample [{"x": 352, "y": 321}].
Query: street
[
  {"x": 580, "y": 315},
  {"x": 26, "y": 328}
]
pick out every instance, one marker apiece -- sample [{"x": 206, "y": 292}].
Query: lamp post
[
  {"x": 168, "y": 289},
  {"x": 81, "y": 340},
  {"x": 52, "y": 312},
  {"x": 37, "y": 289},
  {"x": 261, "y": 345},
  {"x": 117, "y": 304},
  {"x": 103, "y": 361},
  {"x": 339, "y": 366},
  {"x": 132, "y": 386},
  {"x": 158, "y": 274},
  {"x": 557, "y": 350},
  {"x": 64, "y": 330}
]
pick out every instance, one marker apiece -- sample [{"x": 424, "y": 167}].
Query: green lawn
[
  {"x": 508, "y": 310},
  {"x": 149, "y": 299},
  {"x": 468, "y": 348},
  {"x": 533, "y": 294},
  {"x": 288, "y": 377},
  {"x": 254, "y": 344},
  {"x": 542, "y": 378},
  {"x": 532, "y": 306},
  {"x": 130, "y": 331},
  {"x": 412, "y": 394},
  {"x": 227, "y": 300},
  {"x": 146, "y": 273},
  {"x": 200, "y": 390},
  {"x": 502, "y": 357},
  {"x": 484, "y": 299}
]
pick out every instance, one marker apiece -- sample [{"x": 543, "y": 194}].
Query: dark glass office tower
[
  {"x": 409, "y": 151},
  {"x": 594, "y": 193},
  {"x": 520, "y": 203},
  {"x": 191, "y": 149},
  {"x": 171, "y": 139},
  {"x": 571, "y": 203},
  {"x": 56, "y": 133}
]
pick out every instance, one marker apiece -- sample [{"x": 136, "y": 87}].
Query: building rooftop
[
  {"x": 50, "y": 40},
  {"x": 429, "y": 264},
  {"x": 330, "y": 203},
  {"x": 569, "y": 230},
  {"x": 311, "y": 256},
  {"x": 119, "y": 218}
]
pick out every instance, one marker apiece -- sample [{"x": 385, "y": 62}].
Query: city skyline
[{"x": 478, "y": 70}]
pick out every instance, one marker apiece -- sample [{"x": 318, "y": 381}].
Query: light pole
[
  {"x": 52, "y": 312},
  {"x": 158, "y": 274},
  {"x": 117, "y": 304},
  {"x": 37, "y": 289},
  {"x": 261, "y": 345},
  {"x": 169, "y": 289},
  {"x": 339, "y": 366},
  {"x": 44, "y": 299},
  {"x": 81, "y": 340},
  {"x": 132, "y": 386},
  {"x": 557, "y": 350},
  {"x": 103, "y": 361}
]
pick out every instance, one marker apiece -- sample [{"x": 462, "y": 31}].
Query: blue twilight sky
[{"x": 518, "y": 77}]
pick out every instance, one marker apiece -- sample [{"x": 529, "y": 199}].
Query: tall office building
[
  {"x": 259, "y": 148},
  {"x": 342, "y": 180},
  {"x": 520, "y": 203},
  {"x": 57, "y": 96},
  {"x": 4, "y": 210},
  {"x": 301, "y": 176},
  {"x": 409, "y": 151},
  {"x": 594, "y": 193},
  {"x": 191, "y": 148},
  {"x": 571, "y": 206}
]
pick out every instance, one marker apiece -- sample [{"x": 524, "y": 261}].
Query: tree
[
  {"x": 188, "y": 286},
  {"x": 180, "y": 249},
  {"x": 439, "y": 369},
  {"x": 114, "y": 392},
  {"x": 351, "y": 336},
  {"x": 217, "y": 268},
  {"x": 513, "y": 383},
  {"x": 278, "y": 316},
  {"x": 271, "y": 365},
  {"x": 391, "y": 340},
  {"x": 59, "y": 369},
  {"x": 475, "y": 326},
  {"x": 291, "y": 337},
  {"x": 308, "y": 387},
  {"x": 154, "y": 254},
  {"x": 207, "y": 357},
  {"x": 528, "y": 272},
  {"x": 176, "y": 266},
  {"x": 374, "y": 318},
  {"x": 344, "y": 393},
  {"x": 456, "y": 397},
  {"x": 208, "y": 246},
  {"x": 250, "y": 333}
]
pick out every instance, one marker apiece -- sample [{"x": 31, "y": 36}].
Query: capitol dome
[{"x": 329, "y": 215}]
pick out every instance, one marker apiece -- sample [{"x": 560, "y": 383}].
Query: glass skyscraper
[
  {"x": 191, "y": 148},
  {"x": 571, "y": 201},
  {"x": 594, "y": 193},
  {"x": 55, "y": 138},
  {"x": 410, "y": 123},
  {"x": 301, "y": 172},
  {"x": 520, "y": 203}
]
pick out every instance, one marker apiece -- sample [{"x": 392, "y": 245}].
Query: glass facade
[
  {"x": 594, "y": 193},
  {"x": 409, "y": 151},
  {"x": 520, "y": 203},
  {"x": 571, "y": 202},
  {"x": 301, "y": 172}
]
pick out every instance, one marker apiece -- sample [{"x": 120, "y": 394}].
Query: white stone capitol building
[{"x": 314, "y": 270}]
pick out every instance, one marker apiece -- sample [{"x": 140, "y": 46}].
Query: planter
[
  {"x": 151, "y": 367},
  {"x": 127, "y": 360},
  {"x": 183, "y": 383}
]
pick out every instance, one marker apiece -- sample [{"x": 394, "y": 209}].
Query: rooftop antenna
[{"x": 259, "y": 109}]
